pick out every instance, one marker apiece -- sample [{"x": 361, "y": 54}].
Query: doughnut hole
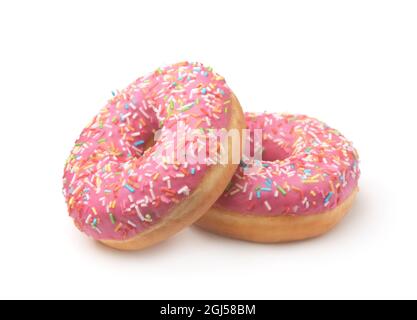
[{"x": 273, "y": 152}]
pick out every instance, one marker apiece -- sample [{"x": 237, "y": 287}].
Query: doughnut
[
  {"x": 304, "y": 184},
  {"x": 120, "y": 186}
]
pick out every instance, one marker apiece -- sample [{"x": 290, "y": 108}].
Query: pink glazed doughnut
[
  {"x": 304, "y": 186},
  {"x": 119, "y": 188}
]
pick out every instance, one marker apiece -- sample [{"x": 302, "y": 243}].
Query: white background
[{"x": 352, "y": 64}]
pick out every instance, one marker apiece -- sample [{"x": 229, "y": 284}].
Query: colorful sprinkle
[
  {"x": 281, "y": 189},
  {"x": 130, "y": 188},
  {"x": 328, "y": 197},
  {"x": 267, "y": 205}
]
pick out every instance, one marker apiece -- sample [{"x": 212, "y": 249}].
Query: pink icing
[
  {"x": 114, "y": 188},
  {"x": 311, "y": 168}
]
